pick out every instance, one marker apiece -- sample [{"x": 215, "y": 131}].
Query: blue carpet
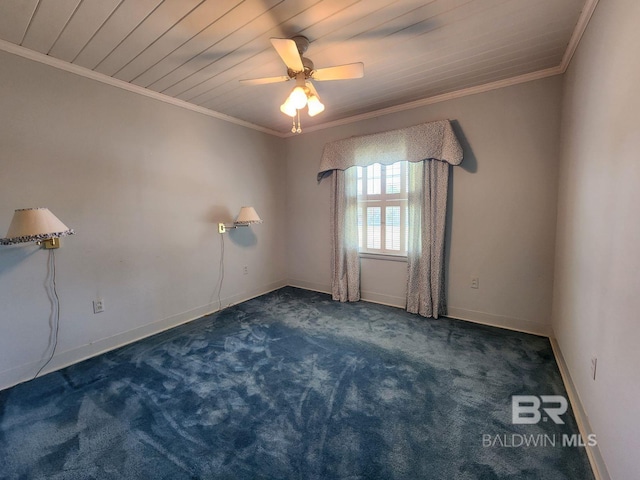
[{"x": 291, "y": 385}]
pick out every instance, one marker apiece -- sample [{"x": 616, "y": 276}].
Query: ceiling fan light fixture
[
  {"x": 314, "y": 105},
  {"x": 302, "y": 70},
  {"x": 298, "y": 98}
]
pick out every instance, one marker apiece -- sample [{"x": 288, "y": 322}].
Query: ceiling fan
[{"x": 302, "y": 70}]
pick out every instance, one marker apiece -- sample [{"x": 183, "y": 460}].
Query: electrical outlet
[
  {"x": 475, "y": 282},
  {"x": 594, "y": 365},
  {"x": 245, "y": 270},
  {"x": 98, "y": 306}
]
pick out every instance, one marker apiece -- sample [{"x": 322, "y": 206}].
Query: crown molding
[
  {"x": 581, "y": 26},
  {"x": 528, "y": 77},
  {"x": 114, "y": 82}
]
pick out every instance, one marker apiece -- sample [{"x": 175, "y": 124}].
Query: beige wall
[
  {"x": 144, "y": 184},
  {"x": 503, "y": 206},
  {"x": 596, "y": 308}
]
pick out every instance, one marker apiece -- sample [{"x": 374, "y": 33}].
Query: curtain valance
[{"x": 433, "y": 140}]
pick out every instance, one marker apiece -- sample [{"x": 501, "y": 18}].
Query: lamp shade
[
  {"x": 34, "y": 224},
  {"x": 247, "y": 216}
]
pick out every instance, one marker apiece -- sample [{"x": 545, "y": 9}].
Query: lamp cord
[
  {"x": 56, "y": 327},
  {"x": 221, "y": 272}
]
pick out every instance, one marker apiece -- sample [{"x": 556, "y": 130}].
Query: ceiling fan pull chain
[{"x": 296, "y": 128}]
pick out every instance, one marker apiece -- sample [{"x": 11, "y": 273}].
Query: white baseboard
[
  {"x": 517, "y": 324},
  {"x": 510, "y": 323},
  {"x": 372, "y": 297},
  {"x": 593, "y": 452},
  {"x": 382, "y": 299},
  {"x": 314, "y": 287},
  {"x": 22, "y": 373}
]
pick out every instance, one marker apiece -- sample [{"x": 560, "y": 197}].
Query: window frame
[{"x": 382, "y": 200}]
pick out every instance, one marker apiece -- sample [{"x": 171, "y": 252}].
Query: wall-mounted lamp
[
  {"x": 246, "y": 217},
  {"x": 36, "y": 225},
  {"x": 43, "y": 227}
]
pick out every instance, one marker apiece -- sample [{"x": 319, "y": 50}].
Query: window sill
[{"x": 383, "y": 256}]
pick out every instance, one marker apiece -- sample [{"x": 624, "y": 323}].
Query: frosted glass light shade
[
  {"x": 298, "y": 98},
  {"x": 247, "y": 216},
  {"x": 287, "y": 108},
  {"x": 34, "y": 224},
  {"x": 314, "y": 106}
]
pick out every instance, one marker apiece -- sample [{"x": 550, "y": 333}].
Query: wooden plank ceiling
[{"x": 198, "y": 50}]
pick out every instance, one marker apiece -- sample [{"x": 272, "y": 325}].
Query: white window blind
[{"x": 382, "y": 208}]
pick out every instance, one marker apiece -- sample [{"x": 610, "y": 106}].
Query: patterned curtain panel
[
  {"x": 345, "y": 262},
  {"x": 430, "y": 148},
  {"x": 427, "y": 208}
]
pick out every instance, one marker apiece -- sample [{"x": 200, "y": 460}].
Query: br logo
[{"x": 525, "y": 409}]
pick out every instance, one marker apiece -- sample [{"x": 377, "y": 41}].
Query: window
[{"x": 382, "y": 208}]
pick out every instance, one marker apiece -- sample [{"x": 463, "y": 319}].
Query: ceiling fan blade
[
  {"x": 264, "y": 80},
  {"x": 341, "y": 72},
  {"x": 288, "y": 51}
]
